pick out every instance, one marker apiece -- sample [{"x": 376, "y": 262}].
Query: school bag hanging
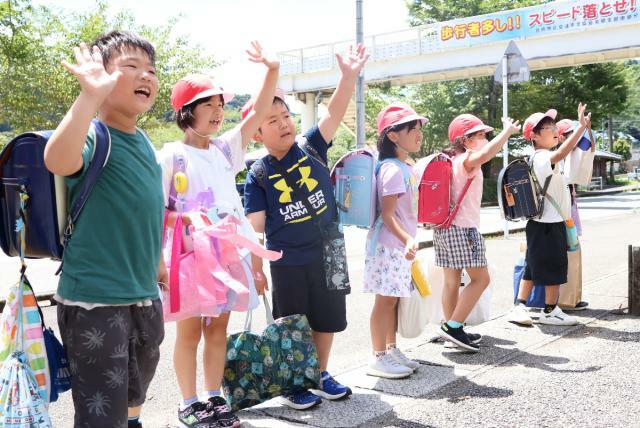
[
  {"x": 281, "y": 360},
  {"x": 209, "y": 262},
  {"x": 59, "y": 370},
  {"x": 435, "y": 205},
  {"x": 24, "y": 374},
  {"x": 50, "y": 221},
  {"x": 354, "y": 180},
  {"x": 536, "y": 298},
  {"x": 413, "y": 314},
  {"x": 520, "y": 195},
  {"x": 578, "y": 166}
]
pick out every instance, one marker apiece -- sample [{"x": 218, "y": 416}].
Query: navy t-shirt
[{"x": 289, "y": 226}]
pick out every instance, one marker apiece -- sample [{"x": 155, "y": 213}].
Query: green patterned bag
[{"x": 280, "y": 360}]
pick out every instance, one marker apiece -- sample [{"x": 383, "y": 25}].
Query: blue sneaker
[
  {"x": 301, "y": 400},
  {"x": 330, "y": 388}
]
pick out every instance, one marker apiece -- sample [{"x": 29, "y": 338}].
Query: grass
[{"x": 624, "y": 181}]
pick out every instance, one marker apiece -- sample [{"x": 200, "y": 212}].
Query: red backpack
[{"x": 435, "y": 207}]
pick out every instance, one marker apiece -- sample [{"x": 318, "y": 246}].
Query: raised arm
[
  {"x": 265, "y": 97},
  {"x": 570, "y": 143},
  {"x": 63, "y": 153},
  {"x": 487, "y": 152},
  {"x": 350, "y": 68}
]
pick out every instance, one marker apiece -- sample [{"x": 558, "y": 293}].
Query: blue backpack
[
  {"x": 24, "y": 177},
  {"x": 354, "y": 179}
]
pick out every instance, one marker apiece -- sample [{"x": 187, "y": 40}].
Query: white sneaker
[
  {"x": 403, "y": 359},
  {"x": 520, "y": 315},
  {"x": 557, "y": 317},
  {"x": 387, "y": 367}
]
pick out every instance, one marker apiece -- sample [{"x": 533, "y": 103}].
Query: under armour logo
[
  {"x": 285, "y": 196},
  {"x": 305, "y": 172}
]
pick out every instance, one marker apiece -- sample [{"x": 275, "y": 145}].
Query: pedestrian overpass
[{"x": 558, "y": 34}]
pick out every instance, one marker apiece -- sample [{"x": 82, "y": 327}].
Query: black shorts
[
  {"x": 546, "y": 257},
  {"x": 303, "y": 290},
  {"x": 113, "y": 352}
]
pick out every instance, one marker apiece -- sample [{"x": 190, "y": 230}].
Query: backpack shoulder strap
[
  {"x": 406, "y": 175},
  {"x": 259, "y": 172},
  {"x": 541, "y": 190},
  {"x": 224, "y": 148},
  {"x": 101, "y": 151},
  {"x": 309, "y": 150}
]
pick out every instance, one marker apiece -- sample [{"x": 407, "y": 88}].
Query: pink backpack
[{"x": 435, "y": 207}]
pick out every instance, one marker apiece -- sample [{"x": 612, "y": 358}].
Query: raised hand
[
  {"x": 353, "y": 63},
  {"x": 90, "y": 72},
  {"x": 510, "y": 125},
  {"x": 257, "y": 55},
  {"x": 585, "y": 121}
]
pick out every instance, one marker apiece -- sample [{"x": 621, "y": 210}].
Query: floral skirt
[{"x": 387, "y": 272}]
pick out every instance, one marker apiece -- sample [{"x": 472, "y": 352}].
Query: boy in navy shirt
[{"x": 273, "y": 208}]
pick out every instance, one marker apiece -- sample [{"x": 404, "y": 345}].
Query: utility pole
[{"x": 360, "y": 134}]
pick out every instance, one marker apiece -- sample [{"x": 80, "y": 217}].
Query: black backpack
[{"x": 519, "y": 193}]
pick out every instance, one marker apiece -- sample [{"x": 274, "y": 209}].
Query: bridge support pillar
[{"x": 309, "y": 110}]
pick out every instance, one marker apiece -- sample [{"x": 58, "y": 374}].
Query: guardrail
[{"x": 381, "y": 47}]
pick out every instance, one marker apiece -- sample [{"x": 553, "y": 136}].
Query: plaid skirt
[{"x": 459, "y": 248}]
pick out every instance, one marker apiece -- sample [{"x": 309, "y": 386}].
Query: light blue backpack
[{"x": 354, "y": 179}]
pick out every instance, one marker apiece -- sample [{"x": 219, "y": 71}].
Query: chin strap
[{"x": 198, "y": 134}]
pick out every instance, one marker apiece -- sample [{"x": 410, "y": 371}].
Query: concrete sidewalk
[{"x": 539, "y": 376}]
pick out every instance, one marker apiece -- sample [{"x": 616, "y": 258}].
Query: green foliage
[
  {"x": 490, "y": 190},
  {"x": 4, "y": 139},
  {"x": 36, "y": 90},
  {"x": 342, "y": 143},
  {"x": 429, "y": 11},
  {"x": 622, "y": 147},
  {"x": 629, "y": 119}
]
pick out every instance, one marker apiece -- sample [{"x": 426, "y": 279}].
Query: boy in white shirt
[{"x": 546, "y": 258}]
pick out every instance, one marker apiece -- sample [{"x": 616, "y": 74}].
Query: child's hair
[
  {"x": 536, "y": 129},
  {"x": 386, "y": 147},
  {"x": 118, "y": 41},
  {"x": 185, "y": 116},
  {"x": 455, "y": 148}
]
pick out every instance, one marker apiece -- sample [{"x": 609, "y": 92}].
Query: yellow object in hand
[
  {"x": 419, "y": 277},
  {"x": 180, "y": 182}
]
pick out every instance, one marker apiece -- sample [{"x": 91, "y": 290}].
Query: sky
[{"x": 225, "y": 28}]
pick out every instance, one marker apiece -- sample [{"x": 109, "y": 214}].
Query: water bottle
[{"x": 572, "y": 235}]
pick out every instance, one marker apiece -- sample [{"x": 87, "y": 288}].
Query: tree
[
  {"x": 429, "y": 11},
  {"x": 629, "y": 119},
  {"x": 36, "y": 90},
  {"x": 622, "y": 147}
]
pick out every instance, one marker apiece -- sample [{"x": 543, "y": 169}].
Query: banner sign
[{"x": 549, "y": 18}]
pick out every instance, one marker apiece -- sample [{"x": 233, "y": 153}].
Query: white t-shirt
[
  {"x": 558, "y": 188},
  {"x": 209, "y": 172}
]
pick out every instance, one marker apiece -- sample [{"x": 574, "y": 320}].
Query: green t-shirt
[{"x": 113, "y": 254}]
